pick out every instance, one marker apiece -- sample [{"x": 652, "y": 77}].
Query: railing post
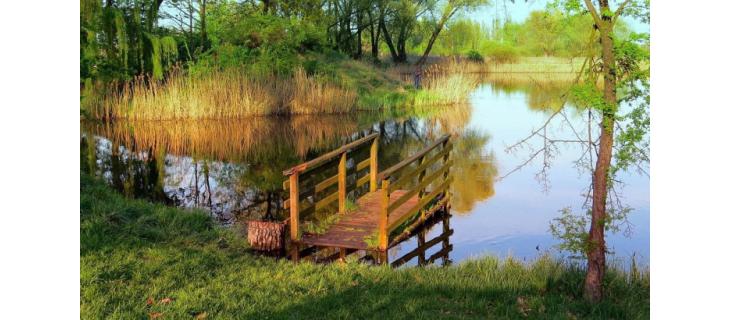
[
  {"x": 294, "y": 213},
  {"x": 446, "y": 160},
  {"x": 374, "y": 165},
  {"x": 341, "y": 182},
  {"x": 383, "y": 221},
  {"x": 446, "y": 229},
  {"x": 420, "y": 179}
]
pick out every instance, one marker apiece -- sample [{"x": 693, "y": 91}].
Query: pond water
[{"x": 233, "y": 169}]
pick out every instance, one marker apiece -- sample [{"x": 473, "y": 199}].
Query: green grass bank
[{"x": 144, "y": 260}]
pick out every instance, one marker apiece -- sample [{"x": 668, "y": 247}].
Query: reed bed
[
  {"x": 443, "y": 83},
  {"x": 311, "y": 96},
  {"x": 219, "y": 95},
  {"x": 520, "y": 65},
  {"x": 536, "y": 65}
]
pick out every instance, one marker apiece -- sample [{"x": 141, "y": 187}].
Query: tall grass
[
  {"x": 311, "y": 96},
  {"x": 442, "y": 83},
  {"x": 218, "y": 95},
  {"x": 536, "y": 65},
  {"x": 499, "y": 65}
]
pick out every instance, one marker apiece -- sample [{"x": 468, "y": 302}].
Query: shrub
[
  {"x": 474, "y": 56},
  {"x": 502, "y": 53}
]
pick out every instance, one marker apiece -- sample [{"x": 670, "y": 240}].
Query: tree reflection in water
[{"x": 234, "y": 168}]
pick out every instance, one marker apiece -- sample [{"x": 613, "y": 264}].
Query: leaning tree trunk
[
  {"x": 593, "y": 290},
  {"x": 435, "y": 35}
]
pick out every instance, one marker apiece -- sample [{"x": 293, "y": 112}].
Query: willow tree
[{"x": 121, "y": 39}]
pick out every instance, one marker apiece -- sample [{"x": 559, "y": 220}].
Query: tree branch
[{"x": 594, "y": 13}]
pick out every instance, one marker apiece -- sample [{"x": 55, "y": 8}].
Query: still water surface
[{"x": 233, "y": 168}]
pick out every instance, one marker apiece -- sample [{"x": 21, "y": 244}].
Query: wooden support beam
[
  {"x": 374, "y": 165},
  {"x": 294, "y": 205},
  {"x": 341, "y": 182},
  {"x": 383, "y": 221}
]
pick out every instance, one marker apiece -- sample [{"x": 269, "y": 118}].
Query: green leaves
[
  {"x": 587, "y": 95},
  {"x": 572, "y": 229}
]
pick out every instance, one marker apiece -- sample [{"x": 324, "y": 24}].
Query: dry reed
[
  {"x": 443, "y": 83},
  {"x": 220, "y": 95}
]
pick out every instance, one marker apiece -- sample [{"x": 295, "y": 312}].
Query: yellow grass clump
[
  {"x": 443, "y": 83},
  {"x": 220, "y": 95},
  {"x": 536, "y": 65},
  {"x": 310, "y": 96}
]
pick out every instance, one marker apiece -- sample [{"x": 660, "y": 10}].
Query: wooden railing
[
  {"x": 433, "y": 159},
  {"x": 321, "y": 184}
]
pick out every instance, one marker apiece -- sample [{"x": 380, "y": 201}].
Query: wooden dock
[{"x": 387, "y": 204}]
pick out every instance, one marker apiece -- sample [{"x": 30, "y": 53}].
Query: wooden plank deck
[{"x": 352, "y": 229}]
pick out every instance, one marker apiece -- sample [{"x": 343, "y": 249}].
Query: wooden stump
[{"x": 266, "y": 235}]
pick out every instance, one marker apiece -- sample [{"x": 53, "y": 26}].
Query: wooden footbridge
[{"x": 374, "y": 210}]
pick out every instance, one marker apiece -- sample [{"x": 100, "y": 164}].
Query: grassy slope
[
  {"x": 133, "y": 250},
  {"x": 375, "y": 88}
]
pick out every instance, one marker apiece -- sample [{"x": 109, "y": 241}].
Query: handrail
[
  {"x": 385, "y": 226},
  {"x": 314, "y": 163},
  {"x": 340, "y": 179},
  {"x": 400, "y": 165}
]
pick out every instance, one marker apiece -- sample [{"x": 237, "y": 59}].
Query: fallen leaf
[
  {"x": 150, "y": 301},
  {"x": 165, "y": 301},
  {"x": 155, "y": 315},
  {"x": 202, "y": 315}
]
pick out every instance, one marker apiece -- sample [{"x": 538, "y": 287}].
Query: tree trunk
[
  {"x": 358, "y": 20},
  {"x": 593, "y": 290},
  {"x": 434, "y": 35},
  {"x": 388, "y": 40},
  {"x": 374, "y": 38},
  {"x": 203, "y": 31},
  {"x": 401, "y": 45}
]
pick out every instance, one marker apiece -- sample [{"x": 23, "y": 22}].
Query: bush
[
  {"x": 264, "y": 44},
  {"x": 474, "y": 56},
  {"x": 503, "y": 53}
]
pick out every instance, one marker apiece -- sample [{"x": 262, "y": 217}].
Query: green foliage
[
  {"x": 458, "y": 38},
  {"x": 263, "y": 43},
  {"x": 549, "y": 32},
  {"x": 474, "y": 56},
  {"x": 588, "y": 95},
  {"x": 572, "y": 230},
  {"x": 502, "y": 52},
  {"x": 155, "y": 56},
  {"x": 119, "y": 40}
]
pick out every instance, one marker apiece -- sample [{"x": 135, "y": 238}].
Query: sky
[{"x": 520, "y": 10}]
